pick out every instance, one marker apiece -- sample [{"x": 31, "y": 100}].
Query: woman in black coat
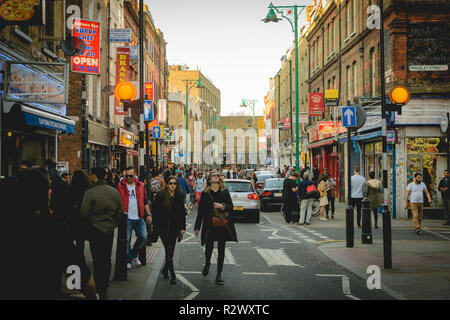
[
  {"x": 215, "y": 201},
  {"x": 169, "y": 222}
]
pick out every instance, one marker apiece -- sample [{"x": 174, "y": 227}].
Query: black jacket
[
  {"x": 168, "y": 222},
  {"x": 205, "y": 213}
]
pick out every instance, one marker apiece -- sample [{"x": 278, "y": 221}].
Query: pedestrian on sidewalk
[
  {"x": 416, "y": 190},
  {"x": 213, "y": 220},
  {"x": 136, "y": 206},
  {"x": 358, "y": 188},
  {"x": 102, "y": 207},
  {"x": 199, "y": 186},
  {"x": 37, "y": 273},
  {"x": 307, "y": 199},
  {"x": 324, "y": 187},
  {"x": 182, "y": 182},
  {"x": 80, "y": 184},
  {"x": 374, "y": 194},
  {"x": 169, "y": 219},
  {"x": 156, "y": 184},
  {"x": 331, "y": 195},
  {"x": 444, "y": 187},
  {"x": 290, "y": 200}
]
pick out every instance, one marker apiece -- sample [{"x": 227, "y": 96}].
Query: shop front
[{"x": 123, "y": 153}]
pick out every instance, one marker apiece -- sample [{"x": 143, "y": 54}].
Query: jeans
[
  {"x": 358, "y": 203},
  {"x": 140, "y": 228},
  {"x": 306, "y": 210},
  {"x": 330, "y": 204},
  {"x": 447, "y": 209},
  {"x": 101, "y": 247}
]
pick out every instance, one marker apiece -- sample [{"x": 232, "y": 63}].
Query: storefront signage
[
  {"x": 22, "y": 12},
  {"x": 148, "y": 110},
  {"x": 325, "y": 127},
  {"x": 120, "y": 35},
  {"x": 313, "y": 135},
  {"x": 390, "y": 136},
  {"x": 89, "y": 33},
  {"x": 122, "y": 74},
  {"x": 152, "y": 124},
  {"x": 162, "y": 110},
  {"x": 315, "y": 104},
  {"x": 126, "y": 139},
  {"x": 444, "y": 122},
  {"x": 331, "y": 97},
  {"x": 39, "y": 121},
  {"x": 148, "y": 90}
]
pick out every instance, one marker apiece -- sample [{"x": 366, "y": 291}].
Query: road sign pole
[{"x": 349, "y": 219}]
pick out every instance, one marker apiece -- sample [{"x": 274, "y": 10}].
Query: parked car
[
  {"x": 245, "y": 199},
  {"x": 272, "y": 194},
  {"x": 262, "y": 178}
]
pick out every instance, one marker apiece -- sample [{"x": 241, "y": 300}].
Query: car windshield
[
  {"x": 260, "y": 173},
  {"x": 263, "y": 178},
  {"x": 274, "y": 184},
  {"x": 239, "y": 186}
]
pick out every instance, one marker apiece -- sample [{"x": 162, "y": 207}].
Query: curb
[{"x": 150, "y": 286}]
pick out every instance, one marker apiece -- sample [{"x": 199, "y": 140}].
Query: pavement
[{"x": 420, "y": 263}]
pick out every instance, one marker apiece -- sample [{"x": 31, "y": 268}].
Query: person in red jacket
[{"x": 136, "y": 206}]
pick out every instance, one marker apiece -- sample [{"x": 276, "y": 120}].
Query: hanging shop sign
[
  {"x": 315, "y": 104},
  {"x": 120, "y": 35},
  {"x": 148, "y": 110},
  {"x": 148, "y": 90},
  {"x": 22, "y": 12},
  {"x": 122, "y": 75},
  {"x": 89, "y": 33},
  {"x": 325, "y": 127},
  {"x": 126, "y": 139},
  {"x": 162, "y": 110},
  {"x": 331, "y": 97}
]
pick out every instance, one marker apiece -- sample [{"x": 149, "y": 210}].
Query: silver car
[{"x": 246, "y": 204}]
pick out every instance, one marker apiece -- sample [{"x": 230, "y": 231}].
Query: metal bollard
[
  {"x": 387, "y": 239},
  {"x": 366, "y": 235},
  {"x": 349, "y": 226},
  {"x": 120, "y": 269}
]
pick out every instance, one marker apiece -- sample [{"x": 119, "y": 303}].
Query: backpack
[
  {"x": 155, "y": 186},
  {"x": 312, "y": 192}
]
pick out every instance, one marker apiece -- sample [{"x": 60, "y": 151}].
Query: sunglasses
[
  {"x": 173, "y": 183},
  {"x": 214, "y": 175},
  {"x": 129, "y": 176}
]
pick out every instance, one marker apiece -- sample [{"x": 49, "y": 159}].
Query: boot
[
  {"x": 219, "y": 280},
  {"x": 206, "y": 269}
]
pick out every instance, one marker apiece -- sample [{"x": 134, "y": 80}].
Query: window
[
  {"x": 349, "y": 83},
  {"x": 372, "y": 72},
  {"x": 355, "y": 80}
]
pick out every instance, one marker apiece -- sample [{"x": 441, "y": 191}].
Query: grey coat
[{"x": 102, "y": 207}]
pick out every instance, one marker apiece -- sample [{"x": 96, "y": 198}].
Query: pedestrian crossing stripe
[{"x": 275, "y": 257}]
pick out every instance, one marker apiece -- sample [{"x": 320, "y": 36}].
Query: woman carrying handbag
[
  {"x": 214, "y": 221},
  {"x": 169, "y": 221}
]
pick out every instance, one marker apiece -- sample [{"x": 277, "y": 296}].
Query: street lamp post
[
  {"x": 252, "y": 104},
  {"x": 199, "y": 84},
  {"x": 292, "y": 17}
]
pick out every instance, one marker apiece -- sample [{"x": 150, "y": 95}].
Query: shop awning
[
  {"x": 41, "y": 118},
  {"x": 365, "y": 136},
  {"x": 321, "y": 143}
]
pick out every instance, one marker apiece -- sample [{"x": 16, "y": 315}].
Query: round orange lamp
[
  {"x": 400, "y": 95},
  {"x": 125, "y": 91}
]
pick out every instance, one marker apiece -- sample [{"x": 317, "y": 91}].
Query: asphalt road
[{"x": 271, "y": 261}]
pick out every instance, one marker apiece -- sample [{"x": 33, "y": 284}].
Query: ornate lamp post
[
  {"x": 291, "y": 14},
  {"x": 193, "y": 83}
]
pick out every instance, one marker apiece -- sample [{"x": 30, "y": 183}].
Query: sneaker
[
  {"x": 300, "y": 223},
  {"x": 323, "y": 219},
  {"x": 418, "y": 231},
  {"x": 307, "y": 223},
  {"x": 129, "y": 266},
  {"x": 136, "y": 260}
]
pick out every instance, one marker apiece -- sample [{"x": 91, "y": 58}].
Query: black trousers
[
  {"x": 375, "y": 215},
  {"x": 101, "y": 248},
  {"x": 169, "y": 248},
  {"x": 221, "y": 254},
  {"x": 358, "y": 203},
  {"x": 330, "y": 204}
]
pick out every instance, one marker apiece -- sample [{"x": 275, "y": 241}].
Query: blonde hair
[{"x": 208, "y": 183}]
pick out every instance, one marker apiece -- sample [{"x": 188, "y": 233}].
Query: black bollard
[
  {"x": 120, "y": 270},
  {"x": 366, "y": 235},
  {"x": 349, "y": 226},
  {"x": 387, "y": 239}
]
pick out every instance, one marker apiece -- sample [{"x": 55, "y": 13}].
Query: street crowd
[{"x": 49, "y": 216}]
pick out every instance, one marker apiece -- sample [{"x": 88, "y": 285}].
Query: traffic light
[{"x": 399, "y": 96}]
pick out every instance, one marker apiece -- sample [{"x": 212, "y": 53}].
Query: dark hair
[
  {"x": 80, "y": 183},
  {"x": 129, "y": 168},
  {"x": 50, "y": 164},
  {"x": 417, "y": 174},
  {"x": 372, "y": 174},
  {"x": 99, "y": 172},
  {"x": 26, "y": 163},
  {"x": 166, "y": 203},
  {"x": 294, "y": 174},
  {"x": 33, "y": 184},
  {"x": 356, "y": 169},
  {"x": 324, "y": 177}
]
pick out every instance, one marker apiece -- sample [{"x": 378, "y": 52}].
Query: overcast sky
[{"x": 228, "y": 42}]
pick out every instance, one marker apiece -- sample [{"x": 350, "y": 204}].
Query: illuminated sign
[{"x": 89, "y": 33}]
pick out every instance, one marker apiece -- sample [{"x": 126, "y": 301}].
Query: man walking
[
  {"x": 444, "y": 187},
  {"x": 307, "y": 200},
  {"x": 290, "y": 196},
  {"x": 101, "y": 206},
  {"x": 416, "y": 190},
  {"x": 136, "y": 206},
  {"x": 358, "y": 187}
]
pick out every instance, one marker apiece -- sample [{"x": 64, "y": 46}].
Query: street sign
[
  {"x": 390, "y": 136},
  {"x": 349, "y": 116},
  {"x": 157, "y": 132},
  {"x": 120, "y": 35},
  {"x": 148, "y": 110}
]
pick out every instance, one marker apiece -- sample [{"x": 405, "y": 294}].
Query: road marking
[
  {"x": 229, "y": 259},
  {"x": 438, "y": 234},
  {"x": 324, "y": 237},
  {"x": 275, "y": 257},
  {"x": 345, "y": 284},
  {"x": 194, "y": 290},
  {"x": 260, "y": 273},
  {"x": 189, "y": 272}
]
